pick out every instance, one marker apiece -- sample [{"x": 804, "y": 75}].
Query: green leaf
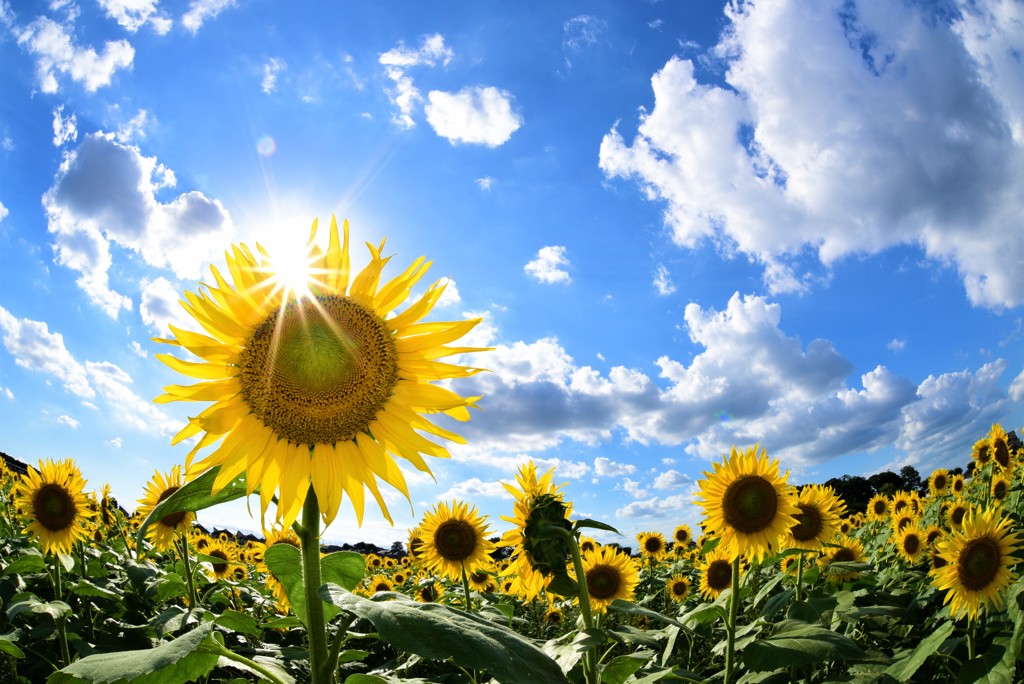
[
  {"x": 344, "y": 568},
  {"x": 32, "y": 604},
  {"x": 194, "y": 496},
  {"x": 629, "y": 608},
  {"x": 987, "y": 668},
  {"x": 282, "y": 623},
  {"x": 242, "y": 623},
  {"x": 563, "y": 651},
  {"x": 705, "y": 612},
  {"x": 799, "y": 643},
  {"x": 563, "y": 585},
  {"x": 438, "y": 632},
  {"x": 776, "y": 603},
  {"x": 10, "y": 649},
  {"x": 903, "y": 669},
  {"x": 352, "y": 655},
  {"x": 359, "y": 678},
  {"x": 595, "y": 524},
  {"x": 184, "y": 659},
  {"x": 87, "y": 588},
  {"x": 618, "y": 670},
  {"x": 28, "y": 564},
  {"x": 285, "y": 562}
]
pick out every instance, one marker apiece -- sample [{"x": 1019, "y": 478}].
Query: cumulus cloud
[
  {"x": 6, "y": 391},
  {"x": 450, "y": 296},
  {"x": 478, "y": 115},
  {"x": 134, "y": 14},
  {"x": 604, "y": 467},
  {"x": 632, "y": 487},
  {"x": 656, "y": 507},
  {"x": 271, "y": 69},
  {"x": 671, "y": 479},
  {"x": 474, "y": 488},
  {"x": 68, "y": 421},
  {"x": 663, "y": 281},
  {"x": 549, "y": 265},
  {"x": 56, "y": 54},
  {"x": 65, "y": 130},
  {"x": 160, "y": 306},
  {"x": 844, "y": 131},
  {"x": 1017, "y": 387},
  {"x": 405, "y": 95},
  {"x": 201, "y": 10},
  {"x": 138, "y": 350},
  {"x": 105, "y": 192}
]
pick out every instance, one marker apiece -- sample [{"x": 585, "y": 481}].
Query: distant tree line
[{"x": 857, "y": 490}]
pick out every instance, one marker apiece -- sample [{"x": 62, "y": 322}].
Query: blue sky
[{"x": 686, "y": 225}]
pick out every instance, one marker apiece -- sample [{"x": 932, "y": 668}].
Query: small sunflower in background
[
  {"x": 879, "y": 507},
  {"x": 588, "y": 544},
  {"x": 981, "y": 454},
  {"x": 316, "y": 385},
  {"x": 378, "y": 583},
  {"x": 1000, "y": 488},
  {"x": 1000, "y": 448},
  {"x": 846, "y": 550},
  {"x": 911, "y": 543},
  {"x": 415, "y": 546},
  {"x": 817, "y": 519},
  {"x": 399, "y": 577},
  {"x": 747, "y": 503},
  {"x": 979, "y": 558},
  {"x": 428, "y": 590},
  {"x": 901, "y": 501},
  {"x": 53, "y": 505},
  {"x": 554, "y": 615},
  {"x": 678, "y": 588},
  {"x": 715, "y": 573},
  {"x": 957, "y": 483},
  {"x": 939, "y": 482},
  {"x": 682, "y": 536},
  {"x": 790, "y": 564},
  {"x": 224, "y": 555},
  {"x": 902, "y": 520},
  {"x": 455, "y": 539},
  {"x": 163, "y": 532},
  {"x": 610, "y": 574},
  {"x": 955, "y": 513},
  {"x": 931, "y": 534},
  {"x": 652, "y": 545},
  {"x": 481, "y": 579}
]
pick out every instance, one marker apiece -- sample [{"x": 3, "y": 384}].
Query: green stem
[
  {"x": 465, "y": 589},
  {"x": 971, "y": 639},
  {"x": 316, "y": 626},
  {"x": 800, "y": 577},
  {"x": 734, "y": 603},
  {"x": 183, "y": 551},
  {"x": 590, "y": 662},
  {"x": 340, "y": 639},
  {"x": 62, "y": 632},
  {"x": 225, "y": 652}
]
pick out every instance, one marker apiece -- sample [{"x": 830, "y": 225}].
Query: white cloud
[
  {"x": 271, "y": 69},
  {"x": 4, "y": 211},
  {"x": 663, "y": 281},
  {"x": 896, "y": 344},
  {"x": 105, "y": 192},
  {"x": 582, "y": 31},
  {"x": 113, "y": 383},
  {"x": 845, "y": 132},
  {"x": 201, "y": 10},
  {"x": 632, "y": 487},
  {"x": 604, "y": 467},
  {"x": 656, "y": 507},
  {"x": 116, "y": 442},
  {"x": 450, "y": 296},
  {"x": 64, "y": 130},
  {"x": 160, "y": 306},
  {"x": 406, "y": 96},
  {"x": 55, "y": 53},
  {"x": 478, "y": 115},
  {"x": 474, "y": 488},
  {"x": 134, "y": 14},
  {"x": 68, "y": 421},
  {"x": 34, "y": 347},
  {"x": 485, "y": 183},
  {"x": 1017, "y": 387},
  {"x": 671, "y": 479},
  {"x": 138, "y": 350},
  {"x": 135, "y": 129},
  {"x": 549, "y": 266},
  {"x": 6, "y": 391}
]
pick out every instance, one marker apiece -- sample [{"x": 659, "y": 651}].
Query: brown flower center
[
  {"x": 719, "y": 575},
  {"x": 171, "y": 519},
  {"x": 652, "y": 544},
  {"x": 940, "y": 482},
  {"x": 319, "y": 372},
  {"x": 603, "y": 581},
  {"x": 956, "y": 515},
  {"x": 455, "y": 540},
  {"x": 54, "y": 507},
  {"x": 843, "y": 555},
  {"x": 750, "y": 504},
  {"x": 1001, "y": 452},
  {"x": 911, "y": 544},
  {"x": 221, "y": 566},
  {"x": 679, "y": 588},
  {"x": 809, "y": 523},
  {"x": 978, "y": 563},
  {"x": 881, "y": 507}
]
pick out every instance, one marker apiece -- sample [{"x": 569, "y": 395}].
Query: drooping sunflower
[
  {"x": 845, "y": 550},
  {"x": 1000, "y": 448},
  {"x": 938, "y": 483},
  {"x": 818, "y": 513},
  {"x": 455, "y": 537},
  {"x": 162, "y": 532},
  {"x": 747, "y": 504},
  {"x": 878, "y": 507},
  {"x": 652, "y": 545},
  {"x": 978, "y": 559},
  {"x": 715, "y": 573},
  {"x": 317, "y": 389},
  {"x": 53, "y": 505},
  {"x": 682, "y": 536},
  {"x": 678, "y": 588},
  {"x": 610, "y": 575},
  {"x": 911, "y": 543}
]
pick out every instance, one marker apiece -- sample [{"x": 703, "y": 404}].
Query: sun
[{"x": 290, "y": 266}]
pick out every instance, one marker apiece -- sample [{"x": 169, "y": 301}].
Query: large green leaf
[
  {"x": 29, "y": 563},
  {"x": 194, "y": 496},
  {"x": 619, "y": 669},
  {"x": 903, "y": 669},
  {"x": 799, "y": 643},
  {"x": 344, "y": 568},
  {"x": 629, "y": 608},
  {"x": 438, "y": 632},
  {"x": 185, "y": 659},
  {"x": 30, "y": 603}
]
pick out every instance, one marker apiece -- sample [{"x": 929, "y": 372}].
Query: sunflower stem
[
  {"x": 62, "y": 633},
  {"x": 971, "y": 639},
  {"x": 590, "y": 672},
  {"x": 183, "y": 551},
  {"x": 465, "y": 589},
  {"x": 316, "y": 627},
  {"x": 225, "y": 652},
  {"x": 734, "y": 603},
  {"x": 799, "y": 577}
]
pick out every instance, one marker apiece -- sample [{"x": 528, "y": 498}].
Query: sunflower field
[{"x": 314, "y": 391}]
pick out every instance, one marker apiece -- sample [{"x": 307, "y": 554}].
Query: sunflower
[
  {"x": 588, "y": 544},
  {"x": 53, "y": 505},
  {"x": 981, "y": 453},
  {"x": 415, "y": 546},
  {"x": 900, "y": 502},
  {"x": 1000, "y": 448},
  {"x": 678, "y": 588},
  {"x": 747, "y": 504},
  {"x": 428, "y": 590},
  {"x": 481, "y": 579},
  {"x": 162, "y": 532},
  {"x": 399, "y": 577},
  {"x": 455, "y": 538},
  {"x": 845, "y": 550},
  {"x": 956, "y": 484},
  {"x": 817, "y": 519},
  {"x": 610, "y": 575},
  {"x": 225, "y": 558},
  {"x": 955, "y": 513},
  {"x": 1000, "y": 487},
  {"x": 554, "y": 615},
  {"x": 878, "y": 507},
  {"x": 911, "y": 543},
  {"x": 682, "y": 536},
  {"x": 791, "y": 563},
  {"x": 846, "y": 527},
  {"x": 652, "y": 545},
  {"x": 932, "y": 534},
  {"x": 378, "y": 583},
  {"x": 316, "y": 390},
  {"x": 938, "y": 483},
  {"x": 978, "y": 561},
  {"x": 715, "y": 573},
  {"x": 901, "y": 521}
]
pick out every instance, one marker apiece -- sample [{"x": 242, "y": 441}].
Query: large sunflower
[
  {"x": 162, "y": 532},
  {"x": 747, "y": 503},
  {"x": 610, "y": 575},
  {"x": 977, "y": 559},
  {"x": 53, "y": 505},
  {"x": 322, "y": 387},
  {"x": 455, "y": 538}
]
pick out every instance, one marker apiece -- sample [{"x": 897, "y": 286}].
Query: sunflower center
[
  {"x": 1001, "y": 453},
  {"x": 171, "y": 519},
  {"x": 979, "y": 563},
  {"x": 881, "y": 508},
  {"x": 455, "y": 540},
  {"x": 984, "y": 455},
  {"x": 603, "y": 581},
  {"x": 679, "y": 588},
  {"x": 221, "y": 566},
  {"x": 54, "y": 507},
  {"x": 999, "y": 490},
  {"x": 750, "y": 504},
  {"x": 319, "y": 372},
  {"x": 843, "y": 555},
  {"x": 682, "y": 536},
  {"x": 479, "y": 577},
  {"x": 719, "y": 575},
  {"x": 652, "y": 545},
  {"x": 428, "y": 593},
  {"x": 381, "y": 586},
  {"x": 808, "y": 523},
  {"x": 957, "y": 515},
  {"x": 911, "y": 544},
  {"x": 940, "y": 482}
]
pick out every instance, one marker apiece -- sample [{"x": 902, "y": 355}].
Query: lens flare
[{"x": 266, "y": 146}]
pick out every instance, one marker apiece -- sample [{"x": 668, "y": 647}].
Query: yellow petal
[
  {"x": 194, "y": 369},
  {"x": 327, "y": 474}
]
